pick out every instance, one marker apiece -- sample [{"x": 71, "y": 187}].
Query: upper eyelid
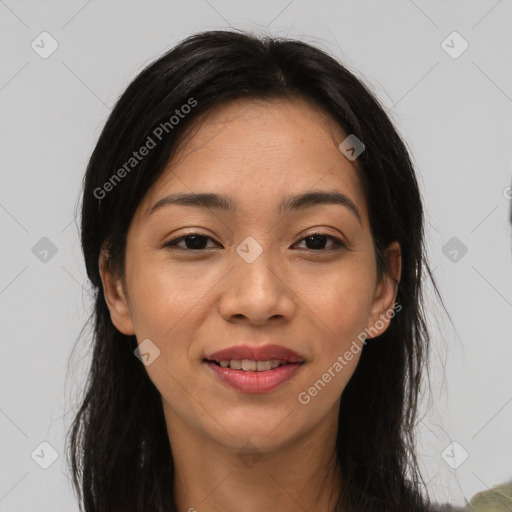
[{"x": 336, "y": 240}]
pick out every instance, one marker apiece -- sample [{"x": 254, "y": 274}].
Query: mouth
[
  {"x": 249, "y": 365},
  {"x": 272, "y": 354},
  {"x": 254, "y": 369}
]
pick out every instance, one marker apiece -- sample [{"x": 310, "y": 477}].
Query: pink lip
[
  {"x": 254, "y": 381},
  {"x": 256, "y": 353}
]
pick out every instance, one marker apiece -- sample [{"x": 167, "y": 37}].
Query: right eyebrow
[{"x": 203, "y": 200}]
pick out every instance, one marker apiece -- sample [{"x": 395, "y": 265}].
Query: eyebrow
[{"x": 288, "y": 204}]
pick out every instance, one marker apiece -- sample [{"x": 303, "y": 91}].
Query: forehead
[
  {"x": 259, "y": 151},
  {"x": 262, "y": 126}
]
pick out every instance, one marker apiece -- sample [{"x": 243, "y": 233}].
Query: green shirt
[{"x": 496, "y": 499}]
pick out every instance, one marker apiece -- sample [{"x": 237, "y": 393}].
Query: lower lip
[{"x": 255, "y": 382}]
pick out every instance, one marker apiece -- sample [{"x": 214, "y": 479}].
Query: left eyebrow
[
  {"x": 288, "y": 204},
  {"x": 318, "y": 197}
]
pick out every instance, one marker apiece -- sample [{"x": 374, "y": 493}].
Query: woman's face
[{"x": 253, "y": 278}]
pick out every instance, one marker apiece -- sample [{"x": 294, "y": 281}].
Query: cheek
[
  {"x": 343, "y": 302},
  {"x": 165, "y": 308},
  {"x": 169, "y": 305},
  {"x": 163, "y": 297}
]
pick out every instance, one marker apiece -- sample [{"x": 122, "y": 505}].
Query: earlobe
[
  {"x": 115, "y": 297},
  {"x": 385, "y": 294}
]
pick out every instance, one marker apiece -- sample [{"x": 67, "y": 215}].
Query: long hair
[{"x": 118, "y": 446}]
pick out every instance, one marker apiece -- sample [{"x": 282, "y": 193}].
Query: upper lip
[{"x": 256, "y": 353}]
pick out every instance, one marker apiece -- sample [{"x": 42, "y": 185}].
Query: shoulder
[{"x": 496, "y": 499}]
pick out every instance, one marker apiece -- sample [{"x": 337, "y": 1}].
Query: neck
[{"x": 213, "y": 477}]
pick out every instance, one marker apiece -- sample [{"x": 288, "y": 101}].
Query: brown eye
[
  {"x": 193, "y": 242},
  {"x": 317, "y": 241}
]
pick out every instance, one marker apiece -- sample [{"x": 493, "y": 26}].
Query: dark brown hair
[{"x": 119, "y": 448}]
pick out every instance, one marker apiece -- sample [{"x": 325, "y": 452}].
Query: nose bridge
[
  {"x": 258, "y": 262},
  {"x": 256, "y": 288}
]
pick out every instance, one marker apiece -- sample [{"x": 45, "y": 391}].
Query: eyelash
[{"x": 338, "y": 244}]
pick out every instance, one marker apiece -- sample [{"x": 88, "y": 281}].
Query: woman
[{"x": 253, "y": 228}]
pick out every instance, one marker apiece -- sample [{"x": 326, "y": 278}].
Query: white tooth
[
  {"x": 235, "y": 364},
  {"x": 263, "y": 366},
  {"x": 275, "y": 363},
  {"x": 224, "y": 364},
  {"x": 248, "y": 365}
]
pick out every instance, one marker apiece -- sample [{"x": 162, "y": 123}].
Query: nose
[{"x": 257, "y": 292}]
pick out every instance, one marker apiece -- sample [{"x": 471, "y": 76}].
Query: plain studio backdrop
[{"x": 442, "y": 69}]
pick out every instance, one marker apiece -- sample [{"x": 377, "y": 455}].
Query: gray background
[{"x": 453, "y": 112}]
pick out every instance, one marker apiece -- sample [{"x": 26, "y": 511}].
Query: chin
[{"x": 266, "y": 434}]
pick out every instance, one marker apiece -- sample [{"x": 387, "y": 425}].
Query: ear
[
  {"x": 385, "y": 293},
  {"x": 115, "y": 296}
]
